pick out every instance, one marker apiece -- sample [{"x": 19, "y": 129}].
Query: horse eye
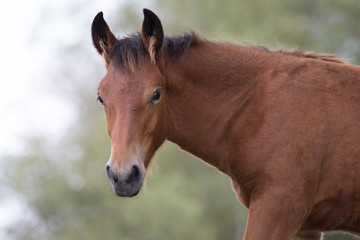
[
  {"x": 156, "y": 97},
  {"x": 100, "y": 100}
]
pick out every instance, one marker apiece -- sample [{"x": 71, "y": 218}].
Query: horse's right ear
[{"x": 103, "y": 38}]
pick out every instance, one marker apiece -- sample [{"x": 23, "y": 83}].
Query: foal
[{"x": 284, "y": 126}]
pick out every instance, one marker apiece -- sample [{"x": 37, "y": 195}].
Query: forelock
[{"x": 128, "y": 50}]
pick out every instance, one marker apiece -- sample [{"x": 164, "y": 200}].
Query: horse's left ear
[
  {"x": 152, "y": 35},
  {"x": 102, "y": 37}
]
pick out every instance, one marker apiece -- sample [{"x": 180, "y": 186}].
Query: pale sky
[{"x": 26, "y": 104}]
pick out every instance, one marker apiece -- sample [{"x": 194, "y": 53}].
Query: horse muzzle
[{"x": 128, "y": 183}]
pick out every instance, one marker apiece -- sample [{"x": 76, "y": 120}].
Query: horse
[{"x": 283, "y": 125}]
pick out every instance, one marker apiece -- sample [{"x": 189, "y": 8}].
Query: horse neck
[{"x": 206, "y": 89}]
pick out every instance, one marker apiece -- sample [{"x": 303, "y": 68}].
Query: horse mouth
[{"x": 127, "y": 194}]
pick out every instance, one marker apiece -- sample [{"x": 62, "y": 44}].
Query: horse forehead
[
  {"x": 128, "y": 89},
  {"x": 137, "y": 80},
  {"x": 118, "y": 82}
]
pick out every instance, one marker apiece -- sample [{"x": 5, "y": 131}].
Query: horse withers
[{"x": 284, "y": 126}]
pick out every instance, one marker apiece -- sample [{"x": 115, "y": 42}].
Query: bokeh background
[{"x": 53, "y": 138}]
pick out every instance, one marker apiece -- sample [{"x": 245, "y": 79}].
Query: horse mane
[
  {"x": 128, "y": 50},
  {"x": 303, "y": 54}
]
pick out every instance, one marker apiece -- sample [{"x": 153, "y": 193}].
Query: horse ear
[
  {"x": 152, "y": 34},
  {"x": 103, "y": 38}
]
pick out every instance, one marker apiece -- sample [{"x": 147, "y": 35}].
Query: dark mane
[
  {"x": 128, "y": 50},
  {"x": 177, "y": 46}
]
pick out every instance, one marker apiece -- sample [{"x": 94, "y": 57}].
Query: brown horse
[{"x": 284, "y": 126}]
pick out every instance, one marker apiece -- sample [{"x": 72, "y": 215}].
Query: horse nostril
[
  {"x": 134, "y": 174},
  {"x": 115, "y": 179},
  {"x": 111, "y": 175}
]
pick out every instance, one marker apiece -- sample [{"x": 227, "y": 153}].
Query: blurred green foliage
[{"x": 63, "y": 183}]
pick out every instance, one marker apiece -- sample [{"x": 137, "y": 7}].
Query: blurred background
[{"x": 53, "y": 138}]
